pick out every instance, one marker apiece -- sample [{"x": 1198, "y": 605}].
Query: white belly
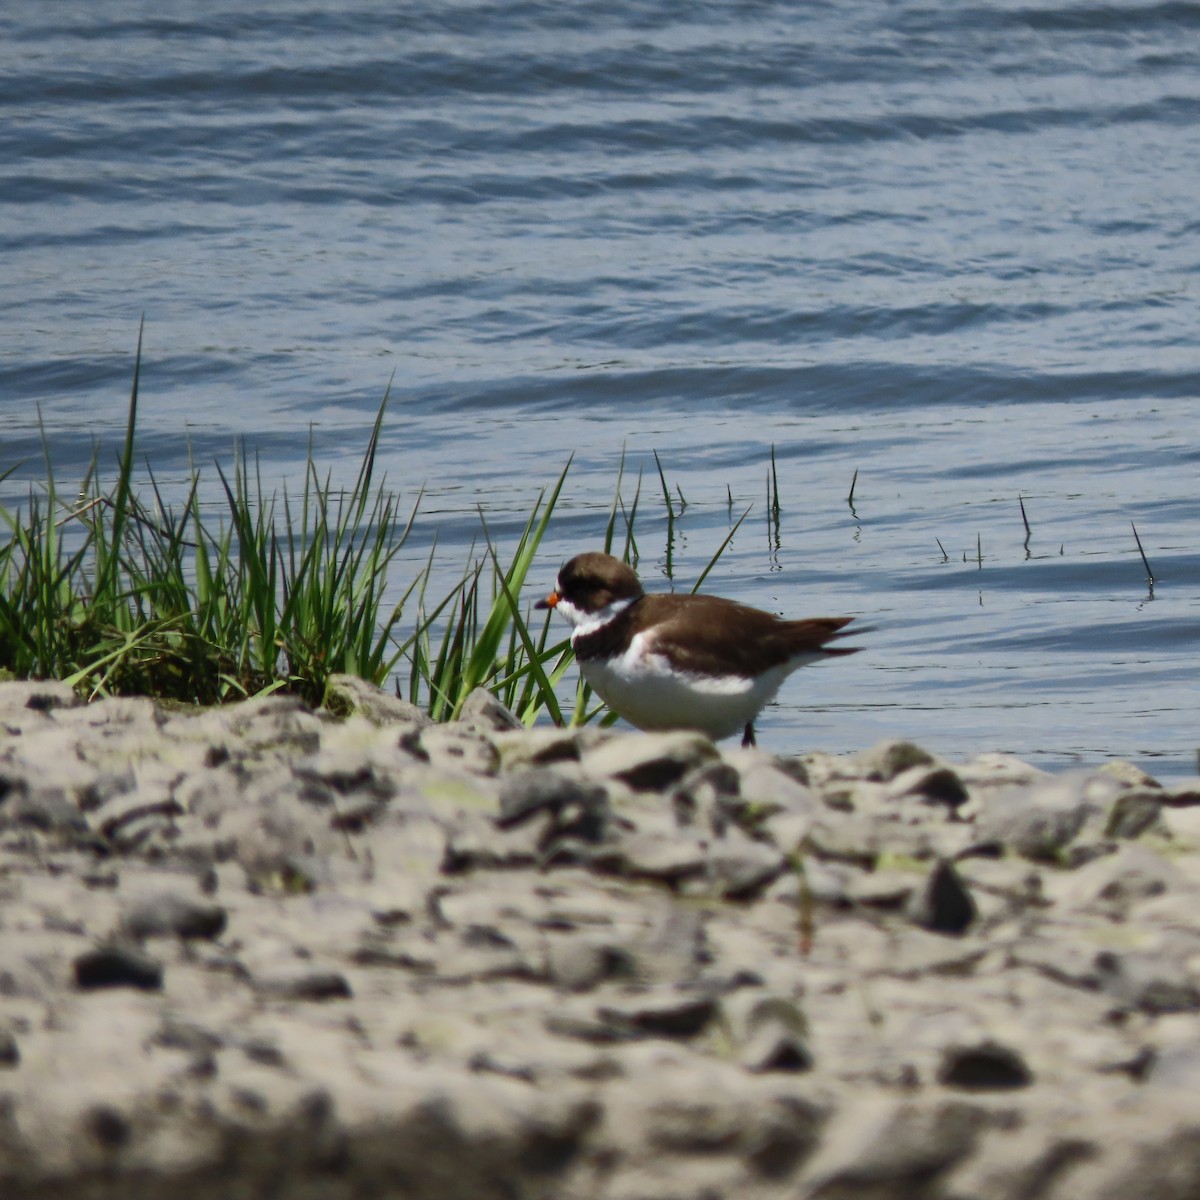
[{"x": 642, "y": 688}]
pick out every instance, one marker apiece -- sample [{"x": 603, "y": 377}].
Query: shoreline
[{"x": 263, "y": 947}]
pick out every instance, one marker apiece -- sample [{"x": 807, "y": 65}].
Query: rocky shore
[{"x": 270, "y": 951}]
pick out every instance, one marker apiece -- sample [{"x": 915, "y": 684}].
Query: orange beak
[{"x": 550, "y": 601}]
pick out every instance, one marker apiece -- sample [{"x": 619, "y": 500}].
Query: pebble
[
  {"x": 579, "y": 963},
  {"x": 169, "y": 914},
  {"x": 117, "y": 966}
]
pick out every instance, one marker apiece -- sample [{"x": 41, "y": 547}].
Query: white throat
[{"x": 588, "y": 622}]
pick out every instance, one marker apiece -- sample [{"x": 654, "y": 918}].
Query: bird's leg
[{"x": 748, "y": 735}]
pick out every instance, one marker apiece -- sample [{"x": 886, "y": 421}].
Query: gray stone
[
  {"x": 482, "y": 711},
  {"x": 348, "y": 695},
  {"x": 884, "y": 1147},
  {"x": 544, "y": 747},
  {"x": 767, "y": 789},
  {"x": 1027, "y": 1163},
  {"x": 281, "y": 724},
  {"x": 865, "y": 839},
  {"x": 661, "y": 1012},
  {"x": 1183, "y": 794},
  {"x": 991, "y": 771},
  {"x": 738, "y": 868},
  {"x": 47, "y": 809},
  {"x": 675, "y": 945},
  {"x": 1130, "y": 775},
  {"x": 1041, "y": 821},
  {"x": 1146, "y": 982},
  {"x": 984, "y": 1065},
  {"x": 301, "y": 981},
  {"x": 1116, "y": 883},
  {"x": 459, "y": 748},
  {"x": 648, "y": 761},
  {"x": 26, "y": 699},
  {"x": 1175, "y": 1067},
  {"x": 170, "y": 914},
  {"x": 192, "y": 1036},
  {"x": 117, "y": 965},
  {"x": 122, "y": 812},
  {"x": 944, "y": 905},
  {"x": 1132, "y": 813},
  {"x": 528, "y": 791},
  {"x": 475, "y": 845},
  {"x": 939, "y": 785},
  {"x": 667, "y": 858},
  {"x": 580, "y": 963},
  {"x": 886, "y": 760},
  {"x": 708, "y": 797},
  {"x": 769, "y": 1032}
]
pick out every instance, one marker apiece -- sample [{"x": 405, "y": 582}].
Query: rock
[
  {"x": 1146, "y": 983},
  {"x": 543, "y": 747},
  {"x": 708, "y": 797},
  {"x": 1133, "y": 813},
  {"x": 122, "y": 813},
  {"x": 475, "y": 845},
  {"x": 888, "y": 1147},
  {"x": 301, "y": 982},
  {"x": 865, "y": 840},
  {"x": 983, "y": 1066},
  {"x": 493, "y": 962},
  {"x": 648, "y": 761},
  {"x": 25, "y": 700},
  {"x": 767, "y": 790},
  {"x": 889, "y": 890},
  {"x": 1050, "y": 820},
  {"x": 769, "y": 1032},
  {"x": 176, "y": 1034},
  {"x": 933, "y": 784},
  {"x": 674, "y": 945},
  {"x": 664, "y": 1012},
  {"x": 283, "y": 725},
  {"x": 944, "y": 905},
  {"x": 169, "y": 914},
  {"x": 483, "y": 712},
  {"x": 579, "y": 964},
  {"x": 668, "y": 858},
  {"x": 1185, "y": 794},
  {"x": 526, "y": 792},
  {"x": 117, "y": 965},
  {"x": 1130, "y": 775},
  {"x": 885, "y": 761},
  {"x": 991, "y": 771},
  {"x": 1115, "y": 883},
  {"x": 348, "y": 695},
  {"x": 1175, "y": 1068},
  {"x": 1021, "y": 1163},
  {"x": 738, "y": 868},
  {"x": 459, "y": 748},
  {"x": 47, "y": 809}
]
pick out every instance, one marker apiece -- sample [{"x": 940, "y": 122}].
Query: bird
[{"x": 664, "y": 661}]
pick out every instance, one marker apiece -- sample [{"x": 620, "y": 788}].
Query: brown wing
[{"x": 709, "y": 635}]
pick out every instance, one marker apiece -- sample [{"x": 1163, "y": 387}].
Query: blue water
[{"x": 953, "y": 248}]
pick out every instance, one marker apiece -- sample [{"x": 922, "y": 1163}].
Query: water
[{"x": 950, "y": 247}]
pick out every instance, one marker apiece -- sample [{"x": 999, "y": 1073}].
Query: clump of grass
[{"x": 153, "y": 601}]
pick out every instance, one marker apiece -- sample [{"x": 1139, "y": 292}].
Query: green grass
[
  {"x": 149, "y": 600},
  {"x": 120, "y": 596}
]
